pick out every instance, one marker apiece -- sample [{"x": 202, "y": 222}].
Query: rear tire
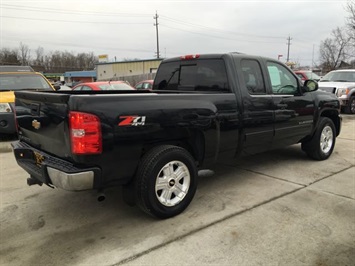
[
  {"x": 350, "y": 108},
  {"x": 166, "y": 181},
  {"x": 321, "y": 145}
]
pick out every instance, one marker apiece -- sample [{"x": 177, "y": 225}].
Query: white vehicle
[{"x": 342, "y": 84}]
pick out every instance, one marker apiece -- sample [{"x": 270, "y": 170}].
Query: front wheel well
[{"x": 334, "y": 116}]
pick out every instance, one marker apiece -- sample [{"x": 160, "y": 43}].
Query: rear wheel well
[{"x": 193, "y": 143}]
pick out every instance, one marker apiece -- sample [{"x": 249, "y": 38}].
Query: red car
[
  {"x": 144, "y": 85},
  {"x": 306, "y": 74},
  {"x": 103, "y": 86}
]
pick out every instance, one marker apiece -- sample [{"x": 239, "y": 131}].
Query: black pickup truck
[{"x": 203, "y": 109}]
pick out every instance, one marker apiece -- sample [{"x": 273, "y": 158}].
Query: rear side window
[
  {"x": 253, "y": 77},
  {"x": 199, "y": 75}
]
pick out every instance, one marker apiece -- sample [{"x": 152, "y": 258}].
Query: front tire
[
  {"x": 166, "y": 181},
  {"x": 321, "y": 145},
  {"x": 350, "y": 108}
]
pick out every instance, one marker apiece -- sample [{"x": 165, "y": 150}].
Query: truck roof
[{"x": 209, "y": 56}]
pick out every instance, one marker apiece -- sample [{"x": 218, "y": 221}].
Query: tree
[
  {"x": 24, "y": 54},
  {"x": 350, "y": 8},
  {"x": 9, "y": 57},
  {"x": 334, "y": 50},
  {"x": 38, "y": 62},
  {"x": 341, "y": 45},
  {"x": 55, "y": 62}
]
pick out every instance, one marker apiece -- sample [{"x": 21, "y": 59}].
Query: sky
[{"x": 125, "y": 29}]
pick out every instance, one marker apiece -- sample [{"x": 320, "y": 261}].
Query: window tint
[
  {"x": 253, "y": 77},
  {"x": 188, "y": 77},
  {"x": 282, "y": 80},
  {"x": 199, "y": 75},
  {"x": 167, "y": 76}
]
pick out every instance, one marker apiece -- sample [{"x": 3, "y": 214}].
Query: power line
[
  {"x": 215, "y": 36},
  {"x": 82, "y": 12},
  {"x": 217, "y": 30},
  {"x": 76, "y": 21},
  {"x": 169, "y": 19}
]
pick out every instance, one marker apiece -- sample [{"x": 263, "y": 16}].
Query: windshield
[
  {"x": 15, "y": 82},
  {"x": 343, "y": 76},
  {"x": 115, "y": 86}
]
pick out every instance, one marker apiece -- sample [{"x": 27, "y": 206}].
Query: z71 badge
[{"x": 132, "y": 120}]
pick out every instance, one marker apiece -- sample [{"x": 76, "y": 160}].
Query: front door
[{"x": 294, "y": 110}]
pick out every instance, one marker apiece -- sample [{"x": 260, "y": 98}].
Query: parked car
[
  {"x": 15, "y": 78},
  {"x": 306, "y": 74},
  {"x": 144, "y": 85},
  {"x": 65, "y": 88},
  {"x": 103, "y": 86},
  {"x": 342, "y": 84}
]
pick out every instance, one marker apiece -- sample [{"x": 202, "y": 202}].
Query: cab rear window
[{"x": 195, "y": 75}]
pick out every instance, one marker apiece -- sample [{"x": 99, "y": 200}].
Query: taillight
[
  {"x": 85, "y": 133},
  {"x": 189, "y": 56}
]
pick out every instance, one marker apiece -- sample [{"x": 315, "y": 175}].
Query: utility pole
[
  {"x": 156, "y": 29},
  {"x": 312, "y": 59},
  {"x": 288, "y": 48}
]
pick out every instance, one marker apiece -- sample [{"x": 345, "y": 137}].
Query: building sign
[{"x": 103, "y": 58}]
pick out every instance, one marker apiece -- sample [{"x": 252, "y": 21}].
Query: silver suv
[{"x": 342, "y": 83}]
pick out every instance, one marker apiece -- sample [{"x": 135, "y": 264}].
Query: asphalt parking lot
[{"x": 276, "y": 208}]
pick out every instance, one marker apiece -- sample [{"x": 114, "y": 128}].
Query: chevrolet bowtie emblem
[{"x": 36, "y": 124}]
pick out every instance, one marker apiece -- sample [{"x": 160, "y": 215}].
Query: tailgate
[{"x": 42, "y": 121}]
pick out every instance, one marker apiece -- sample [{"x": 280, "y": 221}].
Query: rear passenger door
[
  {"x": 258, "y": 114},
  {"x": 294, "y": 110}
]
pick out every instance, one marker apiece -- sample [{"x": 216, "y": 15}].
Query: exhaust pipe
[{"x": 101, "y": 196}]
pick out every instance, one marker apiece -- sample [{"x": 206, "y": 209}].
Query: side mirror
[{"x": 310, "y": 85}]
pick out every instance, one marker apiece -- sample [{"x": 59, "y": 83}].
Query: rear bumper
[{"x": 54, "y": 172}]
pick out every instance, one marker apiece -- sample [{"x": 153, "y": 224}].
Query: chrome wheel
[
  {"x": 172, "y": 183},
  {"x": 326, "y": 139}
]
